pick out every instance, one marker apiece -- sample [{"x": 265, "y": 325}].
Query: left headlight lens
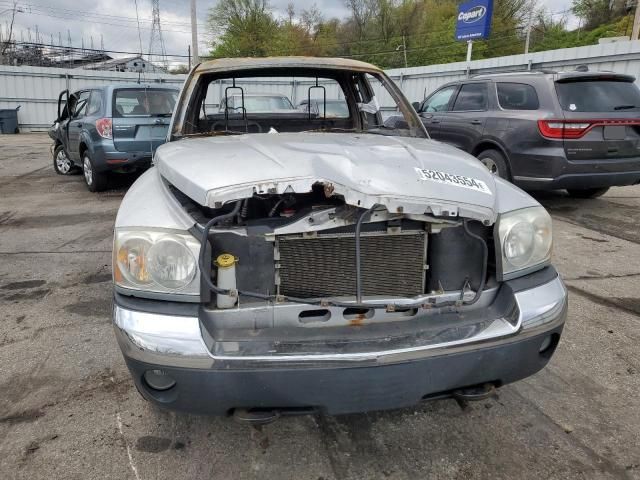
[
  {"x": 525, "y": 238},
  {"x": 156, "y": 261}
]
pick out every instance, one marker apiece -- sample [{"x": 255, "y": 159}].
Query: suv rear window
[
  {"x": 141, "y": 102},
  {"x": 598, "y": 96},
  {"x": 517, "y": 96}
]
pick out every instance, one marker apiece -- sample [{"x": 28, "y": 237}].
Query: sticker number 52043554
[{"x": 451, "y": 179}]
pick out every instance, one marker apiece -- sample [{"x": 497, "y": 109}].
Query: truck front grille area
[{"x": 392, "y": 264}]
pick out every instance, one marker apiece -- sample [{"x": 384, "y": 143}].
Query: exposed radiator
[{"x": 325, "y": 266}]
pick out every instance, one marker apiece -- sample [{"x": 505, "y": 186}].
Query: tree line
[{"x": 385, "y": 32}]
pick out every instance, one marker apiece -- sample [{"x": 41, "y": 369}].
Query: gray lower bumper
[
  {"x": 513, "y": 345},
  {"x": 342, "y": 390},
  {"x": 579, "y": 181}
]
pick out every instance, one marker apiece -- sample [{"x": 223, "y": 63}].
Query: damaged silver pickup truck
[{"x": 284, "y": 262}]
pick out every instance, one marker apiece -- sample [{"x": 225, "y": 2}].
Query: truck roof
[{"x": 237, "y": 64}]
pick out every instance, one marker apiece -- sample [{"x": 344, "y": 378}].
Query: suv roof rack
[{"x": 515, "y": 72}]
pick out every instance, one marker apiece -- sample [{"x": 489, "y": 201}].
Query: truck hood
[{"x": 407, "y": 175}]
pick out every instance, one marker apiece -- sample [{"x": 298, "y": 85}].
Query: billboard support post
[{"x": 473, "y": 23}]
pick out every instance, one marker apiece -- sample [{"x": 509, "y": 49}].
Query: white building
[{"x": 125, "y": 64}]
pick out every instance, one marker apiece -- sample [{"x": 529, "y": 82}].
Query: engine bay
[{"x": 302, "y": 247}]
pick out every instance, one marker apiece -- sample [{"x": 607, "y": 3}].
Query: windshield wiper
[{"x": 625, "y": 107}]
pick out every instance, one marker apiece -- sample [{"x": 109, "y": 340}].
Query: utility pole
[
  {"x": 404, "y": 50},
  {"x": 13, "y": 10},
  {"x": 528, "y": 39},
  {"x": 194, "y": 32},
  {"x": 636, "y": 22}
]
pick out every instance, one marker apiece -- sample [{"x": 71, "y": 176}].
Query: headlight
[
  {"x": 525, "y": 240},
  {"x": 159, "y": 261}
]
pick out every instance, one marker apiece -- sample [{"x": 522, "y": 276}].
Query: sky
[{"x": 114, "y": 22}]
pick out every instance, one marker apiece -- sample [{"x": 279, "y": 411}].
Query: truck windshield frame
[{"x": 198, "y": 115}]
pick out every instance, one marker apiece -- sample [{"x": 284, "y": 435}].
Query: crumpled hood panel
[{"x": 409, "y": 175}]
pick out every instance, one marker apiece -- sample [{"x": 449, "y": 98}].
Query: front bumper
[{"x": 496, "y": 350}]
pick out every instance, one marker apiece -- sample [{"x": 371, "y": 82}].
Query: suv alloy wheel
[
  {"x": 495, "y": 163},
  {"x": 96, "y": 181}
]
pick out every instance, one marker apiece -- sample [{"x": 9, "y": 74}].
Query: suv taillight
[
  {"x": 563, "y": 128},
  {"x": 578, "y": 128},
  {"x": 104, "y": 127}
]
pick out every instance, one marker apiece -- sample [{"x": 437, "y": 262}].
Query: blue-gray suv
[{"x": 115, "y": 128}]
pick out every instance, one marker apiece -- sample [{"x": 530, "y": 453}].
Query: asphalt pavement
[{"x": 69, "y": 410}]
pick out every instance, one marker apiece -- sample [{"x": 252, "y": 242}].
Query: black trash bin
[{"x": 9, "y": 120}]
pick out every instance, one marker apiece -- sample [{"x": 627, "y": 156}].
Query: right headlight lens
[
  {"x": 158, "y": 261},
  {"x": 525, "y": 240},
  {"x": 171, "y": 263}
]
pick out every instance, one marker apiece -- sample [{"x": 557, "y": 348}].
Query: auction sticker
[{"x": 455, "y": 180}]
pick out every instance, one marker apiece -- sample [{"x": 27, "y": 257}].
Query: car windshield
[
  {"x": 598, "y": 96},
  {"x": 354, "y": 102},
  {"x": 144, "y": 102}
]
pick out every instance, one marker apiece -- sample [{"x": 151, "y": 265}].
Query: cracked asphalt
[{"x": 69, "y": 410}]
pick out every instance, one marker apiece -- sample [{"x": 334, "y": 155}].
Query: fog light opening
[
  {"x": 548, "y": 345},
  {"x": 158, "y": 380},
  {"x": 320, "y": 315}
]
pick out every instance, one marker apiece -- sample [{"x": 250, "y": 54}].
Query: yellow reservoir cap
[{"x": 225, "y": 260}]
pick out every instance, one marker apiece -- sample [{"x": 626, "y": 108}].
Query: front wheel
[
  {"x": 96, "y": 181},
  {"x": 495, "y": 162},
  {"x": 62, "y": 164},
  {"x": 587, "y": 192}
]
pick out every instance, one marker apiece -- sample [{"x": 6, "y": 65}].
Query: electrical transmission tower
[{"x": 157, "y": 52}]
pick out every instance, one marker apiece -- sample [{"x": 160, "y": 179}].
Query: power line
[
  {"x": 414, "y": 35},
  {"x": 139, "y": 33},
  {"x": 389, "y": 52},
  {"x": 75, "y": 18},
  {"x": 84, "y": 14},
  {"x": 54, "y": 48}
]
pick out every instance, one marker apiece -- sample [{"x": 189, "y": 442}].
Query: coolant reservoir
[{"x": 226, "y": 264}]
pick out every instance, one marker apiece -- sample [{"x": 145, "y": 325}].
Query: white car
[{"x": 279, "y": 264}]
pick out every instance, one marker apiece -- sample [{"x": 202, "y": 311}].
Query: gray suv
[
  {"x": 115, "y": 128},
  {"x": 578, "y": 130}
]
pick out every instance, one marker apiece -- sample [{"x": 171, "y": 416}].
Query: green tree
[
  {"x": 595, "y": 13},
  {"x": 242, "y": 28},
  {"x": 378, "y": 31}
]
